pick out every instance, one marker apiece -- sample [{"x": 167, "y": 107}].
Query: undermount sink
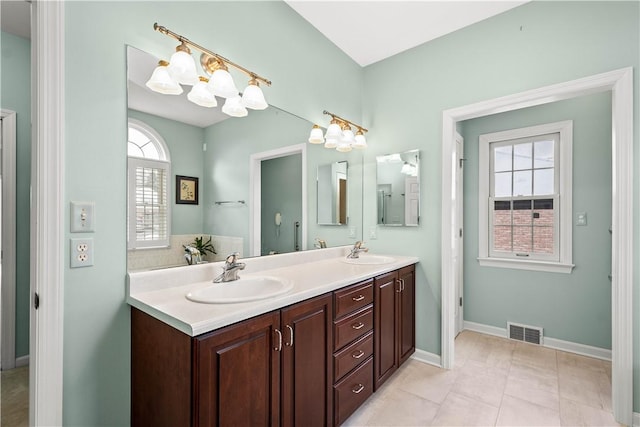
[
  {"x": 242, "y": 290},
  {"x": 369, "y": 260}
]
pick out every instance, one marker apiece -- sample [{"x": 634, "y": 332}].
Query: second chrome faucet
[{"x": 230, "y": 269}]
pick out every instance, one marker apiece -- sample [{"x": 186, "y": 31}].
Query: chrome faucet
[
  {"x": 230, "y": 269},
  {"x": 355, "y": 251}
]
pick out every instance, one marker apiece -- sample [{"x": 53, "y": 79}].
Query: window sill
[{"x": 548, "y": 266}]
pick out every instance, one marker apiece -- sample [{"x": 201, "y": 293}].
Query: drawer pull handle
[
  {"x": 358, "y": 298},
  {"x": 290, "y": 343},
  {"x": 399, "y": 281},
  {"x": 358, "y": 389},
  {"x": 279, "y": 346},
  {"x": 358, "y": 355},
  {"x": 358, "y": 325}
]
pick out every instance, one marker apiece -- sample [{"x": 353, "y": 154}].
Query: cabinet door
[
  {"x": 237, "y": 374},
  {"x": 307, "y": 363},
  {"x": 406, "y": 314},
  {"x": 385, "y": 330}
]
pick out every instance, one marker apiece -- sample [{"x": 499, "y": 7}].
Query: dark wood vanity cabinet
[
  {"x": 273, "y": 369},
  {"x": 309, "y": 364},
  {"x": 394, "y": 330}
]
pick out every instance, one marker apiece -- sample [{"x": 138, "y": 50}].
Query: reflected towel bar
[{"x": 230, "y": 202}]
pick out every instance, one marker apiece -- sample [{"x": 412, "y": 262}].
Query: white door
[
  {"x": 411, "y": 200},
  {"x": 458, "y": 242}
]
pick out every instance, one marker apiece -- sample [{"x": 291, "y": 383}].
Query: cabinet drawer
[
  {"x": 352, "y": 355},
  {"x": 353, "y": 326},
  {"x": 352, "y": 298},
  {"x": 352, "y": 391}
]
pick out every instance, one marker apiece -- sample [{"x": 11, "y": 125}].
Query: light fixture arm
[
  {"x": 181, "y": 39},
  {"x": 336, "y": 117}
]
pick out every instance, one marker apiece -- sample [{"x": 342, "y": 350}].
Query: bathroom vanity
[{"x": 311, "y": 356}]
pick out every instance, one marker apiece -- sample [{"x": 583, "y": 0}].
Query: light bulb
[
  {"x": 315, "y": 137},
  {"x": 161, "y": 82},
  {"x": 252, "y": 97},
  {"x": 202, "y": 95},
  {"x": 233, "y": 107},
  {"x": 347, "y": 135},
  {"x": 221, "y": 82},
  {"x": 182, "y": 67}
]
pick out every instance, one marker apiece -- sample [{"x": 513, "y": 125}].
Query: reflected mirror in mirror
[
  {"x": 398, "y": 189},
  {"x": 214, "y": 149},
  {"x": 332, "y": 193}
]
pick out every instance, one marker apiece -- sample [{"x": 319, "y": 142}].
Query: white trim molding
[
  {"x": 557, "y": 344},
  {"x": 427, "y": 357},
  {"x": 47, "y": 213},
  {"x": 255, "y": 193},
  {"x": 620, "y": 83},
  {"x": 8, "y": 299}
]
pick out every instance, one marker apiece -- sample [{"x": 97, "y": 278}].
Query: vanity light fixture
[
  {"x": 168, "y": 77},
  {"x": 339, "y": 134}
]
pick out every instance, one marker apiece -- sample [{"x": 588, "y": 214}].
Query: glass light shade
[
  {"x": 406, "y": 169},
  {"x": 221, "y": 83},
  {"x": 182, "y": 68},
  {"x": 233, "y": 107},
  {"x": 343, "y": 147},
  {"x": 360, "y": 141},
  {"x": 347, "y": 136},
  {"x": 315, "y": 137},
  {"x": 162, "y": 82},
  {"x": 202, "y": 95},
  {"x": 331, "y": 143},
  {"x": 333, "y": 131},
  {"x": 253, "y": 98}
]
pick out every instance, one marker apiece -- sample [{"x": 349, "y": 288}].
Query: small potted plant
[{"x": 203, "y": 247}]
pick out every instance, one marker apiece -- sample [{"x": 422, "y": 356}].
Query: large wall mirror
[
  {"x": 175, "y": 144},
  {"x": 398, "y": 189}
]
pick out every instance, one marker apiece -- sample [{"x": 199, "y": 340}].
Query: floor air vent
[{"x": 530, "y": 334}]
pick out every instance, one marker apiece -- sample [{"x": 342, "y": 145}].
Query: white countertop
[{"x": 161, "y": 293}]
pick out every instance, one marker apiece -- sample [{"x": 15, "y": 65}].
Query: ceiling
[{"x": 372, "y": 30}]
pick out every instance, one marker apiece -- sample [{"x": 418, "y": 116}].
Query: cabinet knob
[
  {"x": 358, "y": 389},
  {"x": 358, "y": 325},
  {"x": 358, "y": 298},
  {"x": 358, "y": 355}
]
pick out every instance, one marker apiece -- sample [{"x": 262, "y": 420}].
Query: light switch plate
[
  {"x": 373, "y": 232},
  {"x": 352, "y": 232},
  {"x": 581, "y": 218},
  {"x": 82, "y": 217}
]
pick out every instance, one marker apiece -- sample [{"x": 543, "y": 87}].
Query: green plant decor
[{"x": 204, "y": 247}]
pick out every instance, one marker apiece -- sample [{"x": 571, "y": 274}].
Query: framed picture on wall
[{"x": 186, "y": 190}]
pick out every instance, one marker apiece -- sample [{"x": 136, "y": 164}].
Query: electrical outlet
[
  {"x": 352, "y": 232},
  {"x": 373, "y": 232},
  {"x": 81, "y": 252},
  {"x": 581, "y": 218}
]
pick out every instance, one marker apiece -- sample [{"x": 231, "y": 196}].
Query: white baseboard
[
  {"x": 571, "y": 347},
  {"x": 636, "y": 419},
  {"x": 22, "y": 361},
  {"x": 426, "y": 357}
]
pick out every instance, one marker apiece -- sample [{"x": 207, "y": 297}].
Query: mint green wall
[
  {"x": 16, "y": 96},
  {"x": 274, "y": 41},
  {"x": 282, "y": 193},
  {"x": 185, "y": 144},
  {"x": 537, "y": 44},
  {"x": 573, "y": 307},
  {"x": 229, "y": 146}
]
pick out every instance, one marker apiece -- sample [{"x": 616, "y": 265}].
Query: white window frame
[
  {"x": 132, "y": 164},
  {"x": 564, "y": 172}
]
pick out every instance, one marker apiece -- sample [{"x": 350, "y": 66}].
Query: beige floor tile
[
  {"x": 518, "y": 412},
  {"x": 459, "y": 410},
  {"x": 539, "y": 377},
  {"x": 525, "y": 390},
  {"x": 576, "y": 414},
  {"x": 428, "y": 382},
  {"x": 538, "y": 356},
  {"x": 14, "y": 386},
  {"x": 484, "y": 385},
  {"x": 585, "y": 390},
  {"x": 400, "y": 408}
]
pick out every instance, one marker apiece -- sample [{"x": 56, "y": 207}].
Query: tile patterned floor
[
  {"x": 14, "y": 397},
  {"x": 495, "y": 382}
]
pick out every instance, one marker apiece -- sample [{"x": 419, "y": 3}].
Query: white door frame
[
  {"x": 255, "y": 193},
  {"x": 8, "y": 299},
  {"x": 620, "y": 83},
  {"x": 47, "y": 213},
  {"x": 458, "y": 160}
]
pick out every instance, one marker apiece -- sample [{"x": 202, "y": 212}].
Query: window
[
  {"x": 525, "y": 198},
  {"x": 148, "y": 223}
]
